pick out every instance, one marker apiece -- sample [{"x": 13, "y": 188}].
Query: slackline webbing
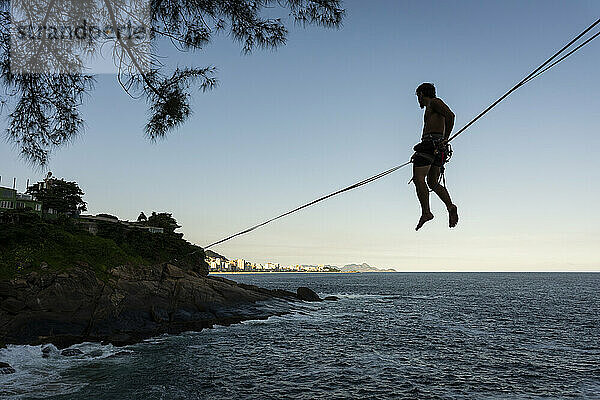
[
  {"x": 525, "y": 80},
  {"x": 534, "y": 74}
]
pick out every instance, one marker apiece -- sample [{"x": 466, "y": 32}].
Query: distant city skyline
[
  {"x": 336, "y": 106},
  {"x": 221, "y": 264}
]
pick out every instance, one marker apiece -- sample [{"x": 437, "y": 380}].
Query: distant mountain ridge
[
  {"x": 210, "y": 253},
  {"x": 364, "y": 267}
]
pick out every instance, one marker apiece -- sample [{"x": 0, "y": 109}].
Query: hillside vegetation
[{"x": 29, "y": 243}]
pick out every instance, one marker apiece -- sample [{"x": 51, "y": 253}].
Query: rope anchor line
[{"x": 534, "y": 74}]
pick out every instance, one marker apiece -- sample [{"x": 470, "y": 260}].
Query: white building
[{"x": 240, "y": 264}]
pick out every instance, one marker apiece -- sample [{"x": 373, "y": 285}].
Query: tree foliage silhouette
[
  {"x": 163, "y": 220},
  {"x": 44, "y": 107},
  {"x": 62, "y": 196}
]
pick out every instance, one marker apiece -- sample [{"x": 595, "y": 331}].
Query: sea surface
[{"x": 390, "y": 336}]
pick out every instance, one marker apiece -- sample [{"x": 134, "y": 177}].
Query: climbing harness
[
  {"x": 432, "y": 147},
  {"x": 545, "y": 66}
]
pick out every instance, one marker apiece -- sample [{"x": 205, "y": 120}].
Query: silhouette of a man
[{"x": 430, "y": 154}]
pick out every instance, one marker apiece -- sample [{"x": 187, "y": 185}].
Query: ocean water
[{"x": 390, "y": 336}]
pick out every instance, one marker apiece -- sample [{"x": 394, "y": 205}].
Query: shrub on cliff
[
  {"x": 156, "y": 247},
  {"x": 163, "y": 220},
  {"x": 24, "y": 246},
  {"x": 19, "y": 215},
  {"x": 59, "y": 195}
]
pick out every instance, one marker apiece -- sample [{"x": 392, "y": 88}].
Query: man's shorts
[{"x": 426, "y": 155}]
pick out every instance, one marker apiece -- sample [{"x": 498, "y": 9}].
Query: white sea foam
[
  {"x": 421, "y": 297},
  {"x": 40, "y": 377},
  {"x": 357, "y": 296}
]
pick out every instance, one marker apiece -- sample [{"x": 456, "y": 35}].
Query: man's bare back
[{"x": 438, "y": 118}]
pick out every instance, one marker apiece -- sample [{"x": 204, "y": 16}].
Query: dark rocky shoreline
[{"x": 130, "y": 305}]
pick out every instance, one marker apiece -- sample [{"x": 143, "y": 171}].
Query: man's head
[{"x": 425, "y": 92}]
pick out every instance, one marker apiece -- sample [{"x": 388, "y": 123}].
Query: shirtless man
[{"x": 429, "y": 157}]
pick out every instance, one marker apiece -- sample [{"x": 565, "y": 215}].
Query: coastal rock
[
  {"x": 95, "y": 353},
  {"x": 284, "y": 293},
  {"x": 33, "y": 278},
  {"x": 46, "y": 350},
  {"x": 307, "y": 294},
  {"x": 71, "y": 352},
  {"x": 7, "y": 289},
  {"x": 6, "y": 368},
  {"x": 159, "y": 315},
  {"x": 130, "y": 304},
  {"x": 173, "y": 271},
  {"x": 12, "y": 305},
  {"x": 19, "y": 283}
]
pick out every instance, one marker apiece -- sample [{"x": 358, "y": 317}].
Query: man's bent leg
[
  {"x": 419, "y": 174},
  {"x": 433, "y": 179}
]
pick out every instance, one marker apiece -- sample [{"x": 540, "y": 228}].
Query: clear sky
[{"x": 335, "y": 106}]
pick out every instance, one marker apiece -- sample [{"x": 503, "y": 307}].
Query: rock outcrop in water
[
  {"x": 128, "y": 305},
  {"x": 6, "y": 369},
  {"x": 307, "y": 294}
]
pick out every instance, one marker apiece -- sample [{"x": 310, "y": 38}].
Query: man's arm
[{"x": 441, "y": 108}]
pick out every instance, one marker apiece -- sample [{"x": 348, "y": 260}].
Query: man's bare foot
[
  {"x": 424, "y": 218},
  {"x": 453, "y": 216}
]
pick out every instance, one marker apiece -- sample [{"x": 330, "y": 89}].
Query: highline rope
[{"x": 534, "y": 74}]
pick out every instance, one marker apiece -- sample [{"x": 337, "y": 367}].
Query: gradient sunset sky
[{"x": 335, "y": 106}]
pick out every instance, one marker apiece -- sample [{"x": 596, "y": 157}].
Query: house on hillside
[
  {"x": 10, "y": 199},
  {"x": 90, "y": 224}
]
